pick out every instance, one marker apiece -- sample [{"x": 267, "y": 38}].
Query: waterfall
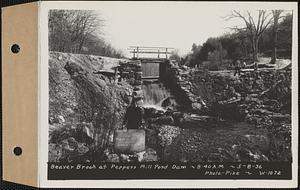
[{"x": 154, "y": 94}]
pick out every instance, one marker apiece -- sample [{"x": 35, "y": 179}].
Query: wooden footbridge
[{"x": 152, "y": 66}]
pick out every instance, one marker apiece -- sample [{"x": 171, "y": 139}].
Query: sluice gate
[{"x": 153, "y": 66}]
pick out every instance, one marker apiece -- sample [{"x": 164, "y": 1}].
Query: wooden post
[
  {"x": 158, "y": 54},
  {"x": 166, "y": 53},
  {"x": 116, "y": 75},
  {"x": 137, "y": 52}
]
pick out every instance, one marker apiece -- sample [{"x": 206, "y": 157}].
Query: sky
[{"x": 168, "y": 24}]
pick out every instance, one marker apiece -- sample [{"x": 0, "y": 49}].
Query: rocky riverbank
[{"x": 248, "y": 108}]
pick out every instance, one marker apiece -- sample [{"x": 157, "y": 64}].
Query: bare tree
[
  {"x": 254, "y": 29},
  {"x": 87, "y": 22},
  {"x": 69, "y": 29},
  {"x": 276, "y": 17}
]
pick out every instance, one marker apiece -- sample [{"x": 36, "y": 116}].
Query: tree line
[
  {"x": 270, "y": 34},
  {"x": 78, "y": 31}
]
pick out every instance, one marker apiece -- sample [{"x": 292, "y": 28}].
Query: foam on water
[{"x": 154, "y": 95}]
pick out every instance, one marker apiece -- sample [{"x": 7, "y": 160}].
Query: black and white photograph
[{"x": 162, "y": 88}]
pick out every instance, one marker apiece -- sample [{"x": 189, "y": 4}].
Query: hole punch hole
[
  {"x": 15, "y": 48},
  {"x": 17, "y": 151}
]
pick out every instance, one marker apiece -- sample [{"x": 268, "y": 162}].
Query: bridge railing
[{"x": 160, "y": 51}]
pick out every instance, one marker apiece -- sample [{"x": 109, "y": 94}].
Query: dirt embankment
[
  {"x": 84, "y": 106},
  {"x": 63, "y": 90}
]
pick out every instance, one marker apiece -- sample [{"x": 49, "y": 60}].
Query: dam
[{"x": 153, "y": 71}]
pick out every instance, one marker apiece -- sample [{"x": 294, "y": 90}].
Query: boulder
[
  {"x": 137, "y": 88},
  {"x": 137, "y": 93},
  {"x": 150, "y": 155},
  {"x": 113, "y": 158},
  {"x": 163, "y": 120},
  {"x": 151, "y": 112},
  {"x": 177, "y": 116},
  {"x": 68, "y": 150},
  {"x": 55, "y": 152},
  {"x": 196, "y": 107},
  {"x": 82, "y": 149},
  {"x": 169, "y": 102},
  {"x": 61, "y": 119},
  {"x": 140, "y": 155},
  {"x": 124, "y": 158},
  {"x": 196, "y": 121}
]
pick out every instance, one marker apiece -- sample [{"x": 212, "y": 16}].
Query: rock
[
  {"x": 196, "y": 107},
  {"x": 278, "y": 118},
  {"x": 88, "y": 131},
  {"x": 151, "y": 112},
  {"x": 184, "y": 67},
  {"x": 113, "y": 158},
  {"x": 169, "y": 102},
  {"x": 177, "y": 116},
  {"x": 133, "y": 158},
  {"x": 229, "y": 111},
  {"x": 73, "y": 144},
  {"x": 150, "y": 155},
  {"x": 53, "y": 128},
  {"x": 160, "y": 113},
  {"x": 74, "y": 69},
  {"x": 196, "y": 121},
  {"x": 259, "y": 141},
  {"x": 54, "y": 120},
  {"x": 140, "y": 155},
  {"x": 69, "y": 111},
  {"x": 136, "y": 88},
  {"x": 139, "y": 73},
  {"x": 163, "y": 120},
  {"x": 261, "y": 112},
  {"x": 82, "y": 149},
  {"x": 138, "y": 93},
  {"x": 138, "y": 82},
  {"x": 51, "y": 120},
  {"x": 58, "y": 133},
  {"x": 124, "y": 158},
  {"x": 55, "y": 152},
  {"x": 71, "y": 150},
  {"x": 246, "y": 155}
]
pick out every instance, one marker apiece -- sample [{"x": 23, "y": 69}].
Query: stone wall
[
  {"x": 131, "y": 71},
  {"x": 206, "y": 92},
  {"x": 211, "y": 85},
  {"x": 176, "y": 79}
]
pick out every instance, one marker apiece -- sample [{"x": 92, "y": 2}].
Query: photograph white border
[{"x": 43, "y": 105}]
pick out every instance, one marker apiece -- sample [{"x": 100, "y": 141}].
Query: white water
[{"x": 154, "y": 95}]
